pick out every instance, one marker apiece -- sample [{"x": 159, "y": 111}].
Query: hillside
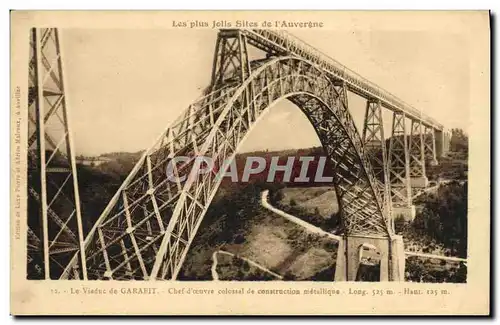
[{"x": 238, "y": 224}]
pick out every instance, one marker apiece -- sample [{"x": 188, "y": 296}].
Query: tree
[
  {"x": 289, "y": 276},
  {"x": 444, "y": 218},
  {"x": 276, "y": 196},
  {"x": 246, "y": 266},
  {"x": 332, "y": 223},
  {"x": 399, "y": 224},
  {"x": 459, "y": 141},
  {"x": 461, "y": 275},
  {"x": 236, "y": 261},
  {"x": 239, "y": 238}
]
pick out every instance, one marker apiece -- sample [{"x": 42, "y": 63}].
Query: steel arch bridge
[{"x": 146, "y": 230}]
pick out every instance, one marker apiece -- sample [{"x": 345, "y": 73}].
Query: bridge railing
[{"x": 356, "y": 82}]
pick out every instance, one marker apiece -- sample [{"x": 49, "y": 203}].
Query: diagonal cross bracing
[
  {"x": 54, "y": 214},
  {"x": 147, "y": 228},
  {"x": 173, "y": 225},
  {"x": 399, "y": 171}
]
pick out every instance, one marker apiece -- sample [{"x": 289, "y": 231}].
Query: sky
[{"x": 125, "y": 86}]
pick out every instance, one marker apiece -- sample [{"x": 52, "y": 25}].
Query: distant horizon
[{"x": 105, "y": 154}]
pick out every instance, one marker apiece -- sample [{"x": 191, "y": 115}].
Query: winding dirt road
[
  {"x": 317, "y": 230},
  {"x": 215, "y": 275},
  {"x": 298, "y": 221}
]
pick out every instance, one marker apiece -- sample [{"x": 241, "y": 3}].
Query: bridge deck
[{"x": 279, "y": 42}]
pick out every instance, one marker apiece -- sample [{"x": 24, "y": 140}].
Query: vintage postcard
[{"x": 250, "y": 163}]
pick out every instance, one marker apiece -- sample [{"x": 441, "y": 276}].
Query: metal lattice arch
[{"x": 147, "y": 228}]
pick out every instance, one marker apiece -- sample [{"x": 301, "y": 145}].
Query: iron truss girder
[
  {"x": 147, "y": 228},
  {"x": 279, "y": 42},
  {"x": 429, "y": 140},
  {"x": 375, "y": 147},
  {"x": 399, "y": 162},
  {"x": 416, "y": 150}
]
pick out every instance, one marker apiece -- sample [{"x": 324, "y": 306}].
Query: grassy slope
[{"x": 310, "y": 198}]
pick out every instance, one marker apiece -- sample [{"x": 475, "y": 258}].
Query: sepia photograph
[
  {"x": 323, "y": 199},
  {"x": 257, "y": 150}
]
